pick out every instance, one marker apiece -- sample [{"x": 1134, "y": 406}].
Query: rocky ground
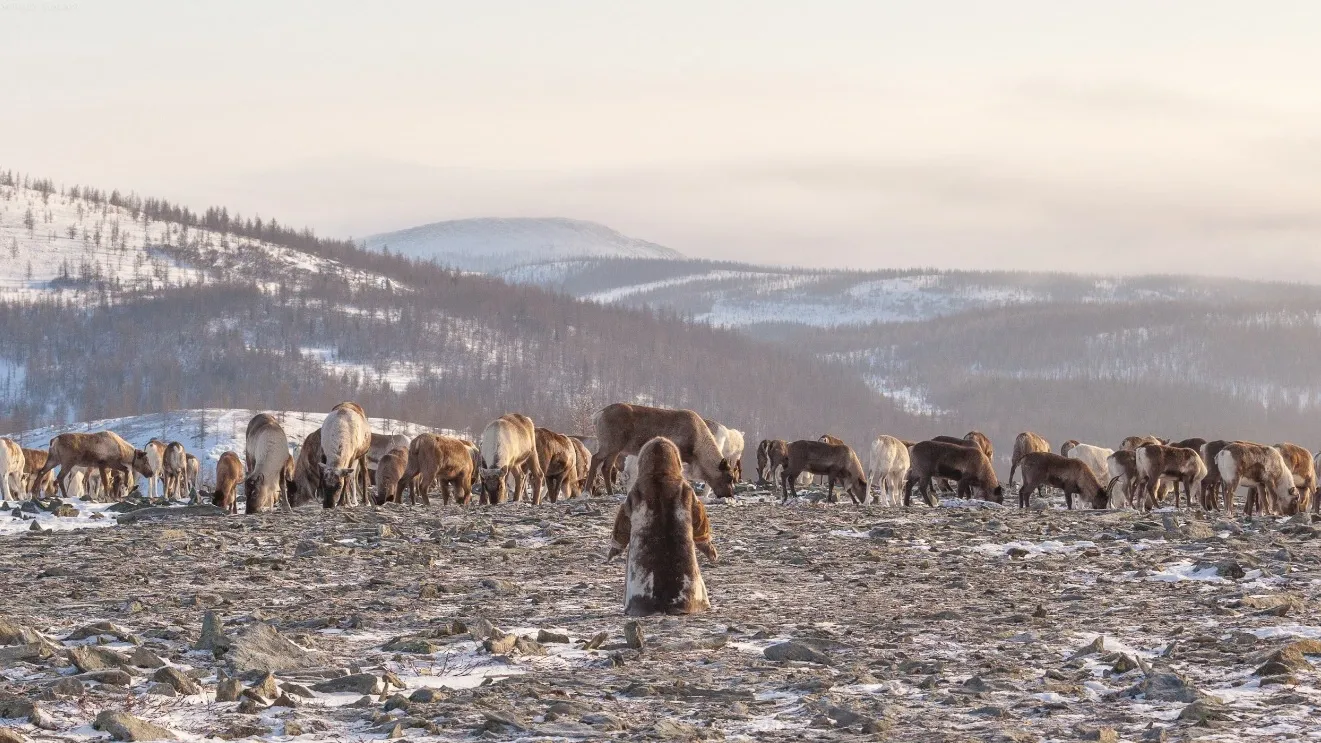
[{"x": 961, "y": 623}]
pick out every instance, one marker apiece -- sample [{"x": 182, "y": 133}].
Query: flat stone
[
  {"x": 358, "y": 683},
  {"x": 174, "y": 677},
  {"x": 260, "y": 647},
  {"x": 123, "y": 726},
  {"x": 796, "y": 651}
]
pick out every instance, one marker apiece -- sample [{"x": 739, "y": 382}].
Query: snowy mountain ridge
[
  {"x": 494, "y": 244},
  {"x": 59, "y": 244},
  {"x": 737, "y": 295}
]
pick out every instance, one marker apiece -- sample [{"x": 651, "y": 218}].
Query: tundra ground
[{"x": 961, "y": 623}]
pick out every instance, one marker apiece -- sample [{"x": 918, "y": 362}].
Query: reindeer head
[
  {"x": 493, "y": 482},
  {"x": 141, "y": 464},
  {"x": 858, "y": 488},
  {"x": 252, "y": 487},
  {"x": 333, "y": 482},
  {"x": 722, "y": 485}
]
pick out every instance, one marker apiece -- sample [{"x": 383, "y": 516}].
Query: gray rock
[
  {"x": 170, "y": 512},
  {"x": 112, "y": 676},
  {"x": 415, "y": 645},
  {"x": 500, "y": 645},
  {"x": 13, "y": 632},
  {"x": 97, "y": 629},
  {"x": 123, "y": 726},
  {"x": 481, "y": 628},
  {"x": 10, "y": 735},
  {"x": 260, "y": 647},
  {"x": 162, "y": 690},
  {"x": 357, "y": 683},
  {"x": 213, "y": 635},
  {"x": 427, "y": 695},
  {"x": 633, "y": 635},
  {"x": 499, "y": 585},
  {"x": 229, "y": 690},
  {"x": 267, "y": 686},
  {"x": 796, "y": 651},
  {"x": 68, "y": 687},
  {"x": 94, "y": 658},
  {"x": 1165, "y": 687},
  {"x": 175, "y": 678},
  {"x": 16, "y": 708},
  {"x": 144, "y": 658},
  {"x": 544, "y": 636}
]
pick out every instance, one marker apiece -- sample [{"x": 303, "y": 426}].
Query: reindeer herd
[{"x": 345, "y": 463}]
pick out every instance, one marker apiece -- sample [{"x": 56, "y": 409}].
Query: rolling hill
[
  {"x": 115, "y": 305},
  {"x": 495, "y": 244}
]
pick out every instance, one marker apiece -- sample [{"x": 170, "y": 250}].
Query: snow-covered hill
[
  {"x": 496, "y": 244},
  {"x": 56, "y": 243},
  {"x": 206, "y": 433},
  {"x": 741, "y": 295}
]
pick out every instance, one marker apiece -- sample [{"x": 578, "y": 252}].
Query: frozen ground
[{"x": 947, "y": 624}]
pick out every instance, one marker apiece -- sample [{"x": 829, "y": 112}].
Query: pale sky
[{"x": 1126, "y": 136}]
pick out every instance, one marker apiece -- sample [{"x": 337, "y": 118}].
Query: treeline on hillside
[
  {"x": 472, "y": 347},
  {"x": 1101, "y": 372}
]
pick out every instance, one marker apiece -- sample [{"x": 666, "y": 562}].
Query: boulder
[
  {"x": 260, "y": 647},
  {"x": 123, "y": 726}
]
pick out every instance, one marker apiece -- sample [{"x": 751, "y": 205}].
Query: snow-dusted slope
[
  {"x": 206, "y": 433},
  {"x": 51, "y": 243},
  {"x": 740, "y": 295},
  {"x": 495, "y": 244}
]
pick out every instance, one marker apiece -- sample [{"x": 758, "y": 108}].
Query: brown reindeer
[
  {"x": 389, "y": 473},
  {"x": 192, "y": 469},
  {"x": 1073, "y": 476},
  {"x": 1212, "y": 486},
  {"x": 581, "y": 464},
  {"x": 662, "y": 524},
  {"x": 447, "y": 460},
  {"x": 509, "y": 447},
  {"x": 1261, "y": 467},
  {"x": 1123, "y": 466},
  {"x": 623, "y": 429},
  {"x": 982, "y": 441},
  {"x": 776, "y": 454},
  {"x": 1156, "y": 462},
  {"x": 105, "y": 452},
  {"x": 836, "y": 462},
  {"x": 305, "y": 486},
  {"x": 266, "y": 455},
  {"x": 558, "y": 460},
  {"x": 229, "y": 473},
  {"x": 345, "y": 440},
  {"x": 1303, "y": 468},
  {"x": 33, "y": 461},
  {"x": 1066, "y": 447},
  {"x": 1026, "y": 443},
  {"x": 175, "y": 463},
  {"x": 966, "y": 464},
  {"x": 1131, "y": 443}
]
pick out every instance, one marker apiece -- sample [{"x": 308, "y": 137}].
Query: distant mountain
[
  {"x": 495, "y": 244},
  {"x": 741, "y": 295}
]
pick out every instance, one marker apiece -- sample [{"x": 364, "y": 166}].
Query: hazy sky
[{"x": 1133, "y": 136}]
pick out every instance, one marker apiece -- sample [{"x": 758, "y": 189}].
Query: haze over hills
[
  {"x": 495, "y": 244},
  {"x": 1007, "y": 351},
  {"x": 116, "y": 305}
]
